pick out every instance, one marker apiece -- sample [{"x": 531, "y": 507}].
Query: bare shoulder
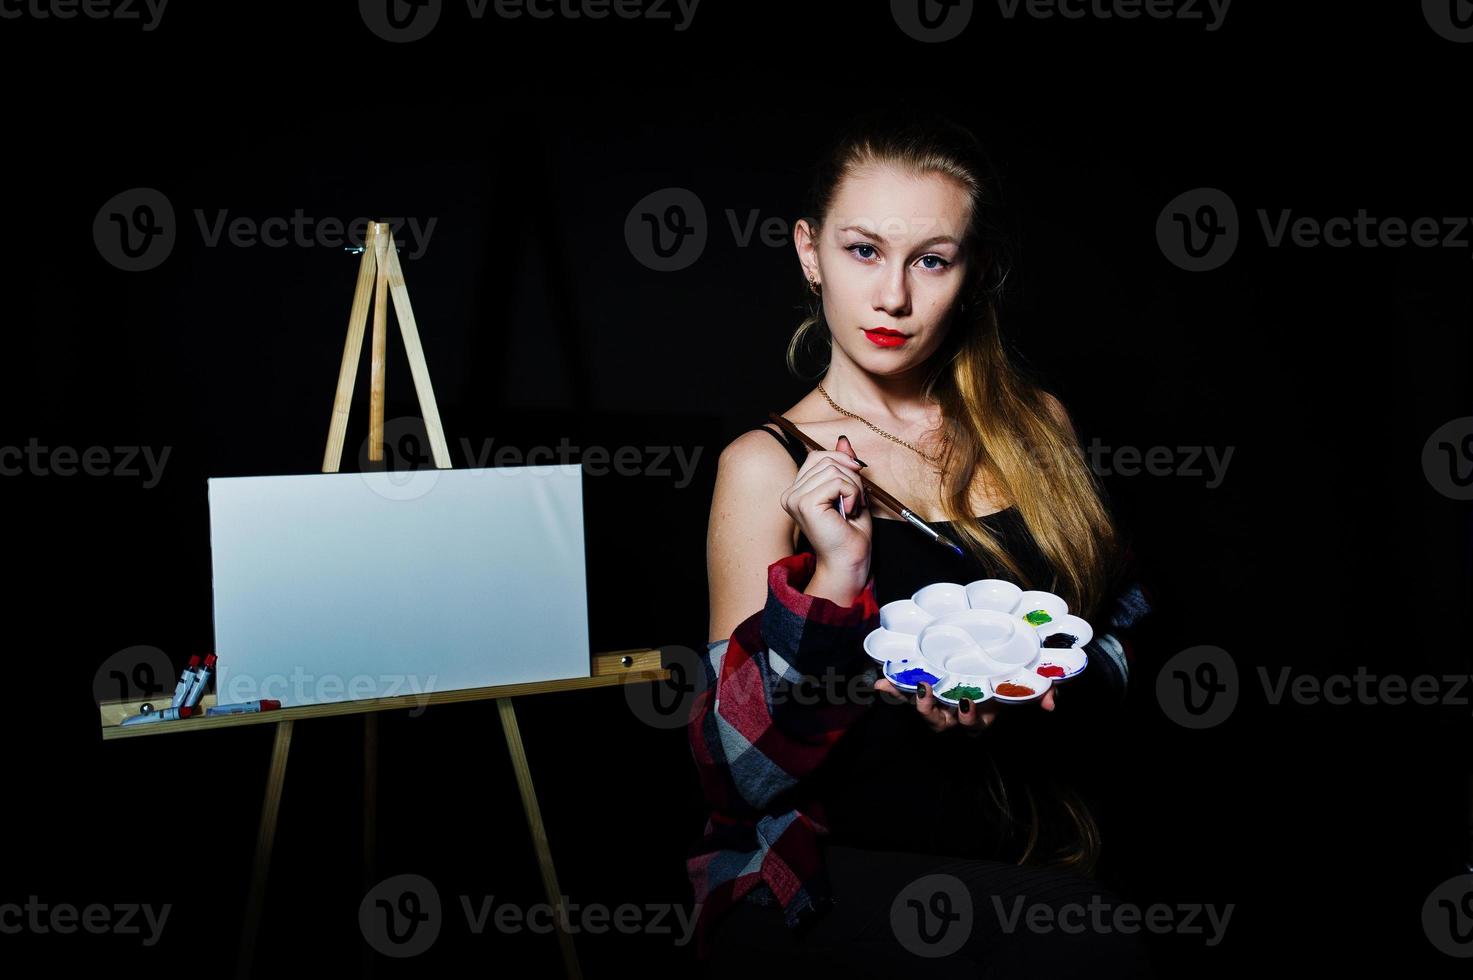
[
  {"x": 1060, "y": 414},
  {"x": 753, "y": 469},
  {"x": 748, "y": 530}
]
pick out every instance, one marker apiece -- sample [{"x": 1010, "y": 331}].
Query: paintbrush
[{"x": 876, "y": 491}]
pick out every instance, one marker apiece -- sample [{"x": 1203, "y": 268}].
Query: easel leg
[
  {"x": 265, "y": 837},
  {"x": 370, "y": 819},
  {"x": 539, "y": 833}
]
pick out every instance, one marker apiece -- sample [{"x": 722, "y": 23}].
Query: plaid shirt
[{"x": 754, "y": 741}]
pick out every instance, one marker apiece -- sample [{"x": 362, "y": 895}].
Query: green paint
[
  {"x": 1038, "y": 617},
  {"x": 964, "y": 691}
]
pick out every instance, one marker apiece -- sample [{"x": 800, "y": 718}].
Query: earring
[{"x": 813, "y": 284}]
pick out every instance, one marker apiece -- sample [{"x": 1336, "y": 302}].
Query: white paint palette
[{"x": 987, "y": 640}]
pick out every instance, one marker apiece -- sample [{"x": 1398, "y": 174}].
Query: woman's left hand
[{"x": 941, "y": 716}]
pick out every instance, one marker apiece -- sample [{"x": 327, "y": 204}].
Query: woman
[{"x": 877, "y": 832}]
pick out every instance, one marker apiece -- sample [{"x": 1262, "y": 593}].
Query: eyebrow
[{"x": 933, "y": 240}]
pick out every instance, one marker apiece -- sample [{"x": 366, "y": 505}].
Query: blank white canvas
[{"x": 343, "y": 586}]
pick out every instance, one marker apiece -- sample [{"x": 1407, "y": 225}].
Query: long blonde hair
[{"x": 995, "y": 417}]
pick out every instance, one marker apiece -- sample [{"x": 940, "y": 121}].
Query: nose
[{"x": 894, "y": 292}]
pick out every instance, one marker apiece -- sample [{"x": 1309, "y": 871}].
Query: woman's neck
[{"x": 896, "y": 396}]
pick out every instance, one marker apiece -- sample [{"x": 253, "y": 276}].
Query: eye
[
  {"x": 944, "y": 264},
  {"x": 854, "y": 249}
]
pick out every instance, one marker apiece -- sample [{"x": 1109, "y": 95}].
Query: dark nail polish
[
  {"x": 862, "y": 463},
  {"x": 966, "y": 706},
  {"x": 923, "y": 689}
]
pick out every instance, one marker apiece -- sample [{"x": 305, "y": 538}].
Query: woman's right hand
[{"x": 842, "y": 547}]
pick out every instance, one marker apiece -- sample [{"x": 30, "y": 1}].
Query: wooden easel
[{"x": 380, "y": 276}]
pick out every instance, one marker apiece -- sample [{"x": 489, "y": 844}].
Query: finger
[
  {"x": 1047, "y": 703},
  {"x": 972, "y": 716},
  {"x": 892, "y": 693},
  {"x": 938, "y": 715},
  {"x": 819, "y": 457},
  {"x": 829, "y": 486},
  {"x": 846, "y": 447},
  {"x": 987, "y": 715},
  {"x": 805, "y": 482}
]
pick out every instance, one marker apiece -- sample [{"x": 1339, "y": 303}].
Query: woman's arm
[
  {"x": 777, "y": 691},
  {"x": 748, "y": 528}
]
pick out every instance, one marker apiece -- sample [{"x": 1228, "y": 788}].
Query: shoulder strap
[{"x": 795, "y": 449}]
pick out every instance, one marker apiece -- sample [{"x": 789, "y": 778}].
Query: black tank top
[{"x": 891, "y": 783}]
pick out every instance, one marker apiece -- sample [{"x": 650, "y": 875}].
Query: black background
[{"x": 528, "y": 142}]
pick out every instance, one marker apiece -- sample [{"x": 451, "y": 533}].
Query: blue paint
[{"x": 914, "y": 676}]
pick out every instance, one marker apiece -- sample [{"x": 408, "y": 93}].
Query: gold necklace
[{"x": 935, "y": 460}]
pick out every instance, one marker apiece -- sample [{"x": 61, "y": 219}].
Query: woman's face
[{"x": 891, "y": 266}]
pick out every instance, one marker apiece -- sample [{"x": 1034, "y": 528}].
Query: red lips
[{"x": 885, "y": 337}]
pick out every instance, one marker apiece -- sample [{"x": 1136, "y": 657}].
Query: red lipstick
[{"x": 885, "y": 337}]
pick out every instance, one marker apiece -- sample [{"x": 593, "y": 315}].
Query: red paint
[{"x": 1051, "y": 670}]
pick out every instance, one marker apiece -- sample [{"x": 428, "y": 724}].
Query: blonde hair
[{"x": 995, "y": 416}]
